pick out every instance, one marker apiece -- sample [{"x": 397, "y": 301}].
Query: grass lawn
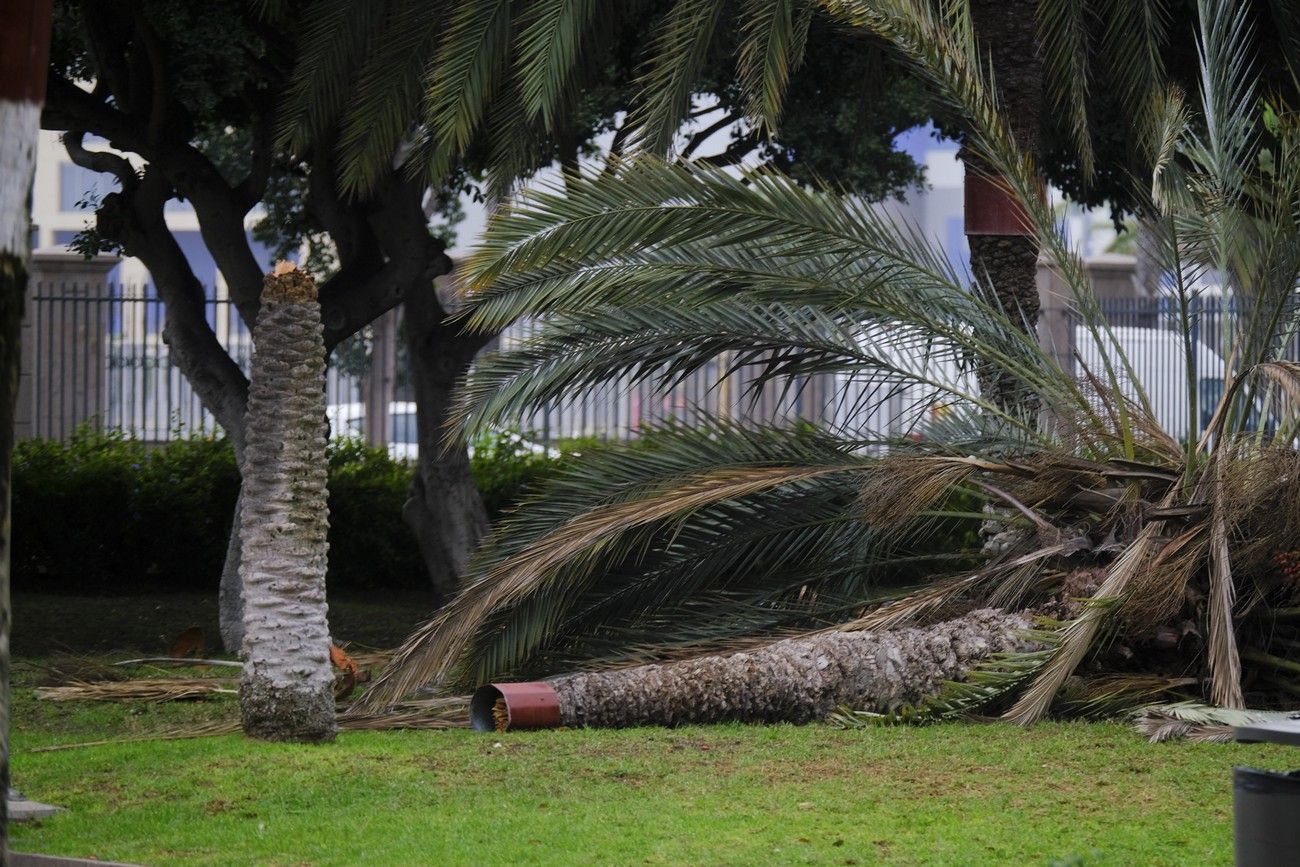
[{"x": 953, "y": 794}]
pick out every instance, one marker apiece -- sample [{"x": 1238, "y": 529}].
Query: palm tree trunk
[
  {"x": 286, "y": 690},
  {"x": 797, "y": 680},
  {"x": 24, "y": 52},
  {"x": 1003, "y": 254}
]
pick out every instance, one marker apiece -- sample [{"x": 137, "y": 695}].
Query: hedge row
[{"x": 106, "y": 514}]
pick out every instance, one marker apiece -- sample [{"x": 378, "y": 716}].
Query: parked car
[{"x": 348, "y": 421}]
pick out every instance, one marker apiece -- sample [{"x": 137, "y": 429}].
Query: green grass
[{"x": 952, "y": 794}]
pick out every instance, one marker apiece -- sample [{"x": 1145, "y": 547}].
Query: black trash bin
[
  {"x": 1266, "y": 817},
  {"x": 1266, "y": 804}
]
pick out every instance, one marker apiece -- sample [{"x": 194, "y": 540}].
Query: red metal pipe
[{"x": 532, "y": 705}]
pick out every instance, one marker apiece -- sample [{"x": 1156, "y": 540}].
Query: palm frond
[
  {"x": 566, "y": 543},
  {"x": 1064, "y": 35},
  {"x": 550, "y": 43},
  {"x": 1225, "y": 663},
  {"x": 773, "y": 36},
  {"x": 385, "y": 98},
  {"x": 1134, "y": 41},
  {"x": 1197, "y": 721},
  {"x": 1078, "y": 637},
  {"x": 331, "y": 44},
  {"x": 677, "y": 56},
  {"x": 472, "y": 57}
]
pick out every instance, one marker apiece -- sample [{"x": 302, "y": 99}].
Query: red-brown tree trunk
[
  {"x": 24, "y": 54},
  {"x": 1003, "y": 250}
]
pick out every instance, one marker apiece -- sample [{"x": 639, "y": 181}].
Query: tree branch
[
  {"x": 100, "y": 161},
  {"x": 138, "y": 220},
  {"x": 191, "y": 174},
  {"x": 705, "y": 134},
  {"x": 250, "y": 190},
  {"x": 735, "y": 152}
]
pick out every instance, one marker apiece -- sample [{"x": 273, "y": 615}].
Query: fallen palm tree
[
  {"x": 796, "y": 680},
  {"x": 1162, "y": 540}
]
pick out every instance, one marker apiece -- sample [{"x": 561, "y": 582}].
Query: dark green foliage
[
  {"x": 371, "y": 548},
  {"x": 73, "y": 521},
  {"x": 506, "y": 467},
  {"x": 102, "y": 513}
]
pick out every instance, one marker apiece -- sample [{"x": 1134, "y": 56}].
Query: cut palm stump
[
  {"x": 286, "y": 692},
  {"x": 797, "y": 680}
]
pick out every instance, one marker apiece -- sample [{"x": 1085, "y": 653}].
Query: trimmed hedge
[{"x": 103, "y": 513}]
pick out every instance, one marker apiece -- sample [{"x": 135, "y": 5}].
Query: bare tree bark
[
  {"x": 24, "y": 52},
  {"x": 797, "y": 680},
  {"x": 444, "y": 509},
  {"x": 230, "y": 593},
  {"x": 286, "y": 691}
]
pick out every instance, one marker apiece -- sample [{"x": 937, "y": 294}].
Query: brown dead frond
[
  {"x": 66, "y": 668},
  {"x": 1158, "y": 727},
  {"x": 898, "y": 489},
  {"x": 205, "y": 730},
  {"x": 449, "y": 712},
  {"x": 1079, "y": 635},
  {"x": 1158, "y": 592},
  {"x": 1225, "y": 662},
  {"x": 154, "y": 690},
  {"x": 1114, "y": 695}
]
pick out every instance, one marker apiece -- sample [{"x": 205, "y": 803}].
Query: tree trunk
[
  {"x": 1004, "y": 258},
  {"x": 286, "y": 690},
  {"x": 444, "y": 509},
  {"x": 230, "y": 595},
  {"x": 797, "y": 680},
  {"x": 24, "y": 53}
]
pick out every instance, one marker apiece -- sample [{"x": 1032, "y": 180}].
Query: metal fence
[{"x": 94, "y": 355}]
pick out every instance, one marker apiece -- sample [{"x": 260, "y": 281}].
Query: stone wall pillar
[
  {"x": 64, "y": 343},
  {"x": 1055, "y": 323},
  {"x": 1113, "y": 283}
]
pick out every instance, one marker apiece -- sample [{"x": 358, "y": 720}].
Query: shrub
[
  {"x": 74, "y": 522},
  {"x": 103, "y": 513},
  {"x": 507, "y": 466},
  {"x": 371, "y": 547}
]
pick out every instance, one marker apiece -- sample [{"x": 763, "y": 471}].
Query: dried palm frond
[
  {"x": 180, "y": 662},
  {"x": 441, "y": 713},
  {"x": 1115, "y": 695},
  {"x": 1197, "y": 721},
  {"x": 153, "y": 690},
  {"x": 203, "y": 730},
  {"x": 449, "y": 712},
  {"x": 66, "y": 667}
]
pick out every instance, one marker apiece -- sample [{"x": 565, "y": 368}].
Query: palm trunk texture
[
  {"x": 797, "y": 680},
  {"x": 1007, "y": 262},
  {"x": 286, "y": 691}
]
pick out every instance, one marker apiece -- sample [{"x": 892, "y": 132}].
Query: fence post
[{"x": 74, "y": 343}]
